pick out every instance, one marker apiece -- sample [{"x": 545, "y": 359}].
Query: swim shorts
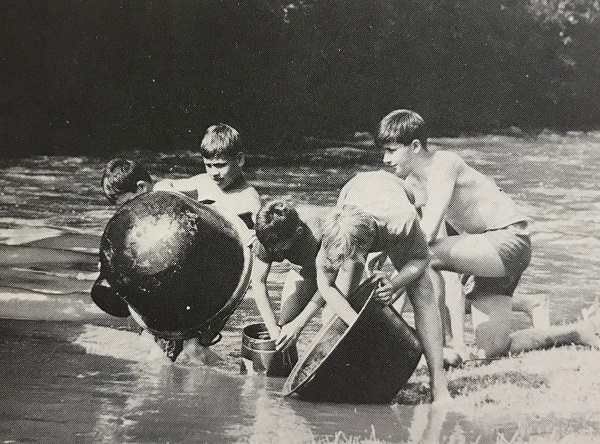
[{"x": 513, "y": 245}]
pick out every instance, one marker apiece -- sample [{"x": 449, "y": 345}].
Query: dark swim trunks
[{"x": 513, "y": 245}]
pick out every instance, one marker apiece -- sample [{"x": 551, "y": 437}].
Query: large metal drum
[
  {"x": 368, "y": 362},
  {"x": 180, "y": 266}
]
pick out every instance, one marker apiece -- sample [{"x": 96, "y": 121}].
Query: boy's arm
[
  {"x": 412, "y": 269},
  {"x": 326, "y": 285},
  {"x": 441, "y": 180},
  {"x": 260, "y": 271},
  {"x": 409, "y": 273},
  {"x": 291, "y": 330}
]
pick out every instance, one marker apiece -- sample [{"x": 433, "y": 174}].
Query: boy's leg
[
  {"x": 537, "y": 307},
  {"x": 429, "y": 329},
  {"x": 452, "y": 356},
  {"x": 581, "y": 333},
  {"x": 445, "y": 295},
  {"x": 492, "y": 323},
  {"x": 473, "y": 255},
  {"x": 470, "y": 254},
  {"x": 295, "y": 295}
]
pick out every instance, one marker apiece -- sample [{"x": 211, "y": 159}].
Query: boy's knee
[{"x": 493, "y": 338}]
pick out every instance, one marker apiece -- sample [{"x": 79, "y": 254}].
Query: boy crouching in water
[
  {"x": 373, "y": 214},
  {"x": 285, "y": 234}
]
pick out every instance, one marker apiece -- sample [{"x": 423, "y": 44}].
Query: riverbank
[{"x": 540, "y": 397}]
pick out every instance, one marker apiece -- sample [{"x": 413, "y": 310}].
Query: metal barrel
[
  {"x": 180, "y": 266},
  {"x": 258, "y": 353},
  {"x": 368, "y": 362}
]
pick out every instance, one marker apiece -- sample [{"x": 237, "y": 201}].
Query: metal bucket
[
  {"x": 368, "y": 362},
  {"x": 259, "y": 354}
]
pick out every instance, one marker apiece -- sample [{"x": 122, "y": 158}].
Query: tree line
[{"x": 100, "y": 76}]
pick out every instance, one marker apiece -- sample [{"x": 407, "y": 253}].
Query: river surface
[{"x": 70, "y": 373}]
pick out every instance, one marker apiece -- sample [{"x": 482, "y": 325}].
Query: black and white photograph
[{"x": 300, "y": 221}]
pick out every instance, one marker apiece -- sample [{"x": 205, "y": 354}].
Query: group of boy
[{"x": 379, "y": 212}]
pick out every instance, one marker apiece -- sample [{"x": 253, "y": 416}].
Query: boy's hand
[
  {"x": 287, "y": 336},
  {"x": 385, "y": 290},
  {"x": 274, "y": 331}
]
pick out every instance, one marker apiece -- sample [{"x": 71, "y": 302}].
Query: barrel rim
[
  {"x": 287, "y": 390},
  {"x": 246, "y": 331}
]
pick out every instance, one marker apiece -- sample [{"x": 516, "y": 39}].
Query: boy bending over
[
  {"x": 123, "y": 179},
  {"x": 283, "y": 233},
  {"x": 373, "y": 214},
  {"x": 493, "y": 243}
]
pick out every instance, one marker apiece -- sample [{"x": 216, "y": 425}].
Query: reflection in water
[
  {"x": 439, "y": 424},
  {"x": 164, "y": 401},
  {"x": 267, "y": 416},
  {"x": 172, "y": 403}
]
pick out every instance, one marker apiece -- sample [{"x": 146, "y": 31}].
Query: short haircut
[
  {"x": 277, "y": 220},
  {"x": 221, "y": 141},
  {"x": 402, "y": 126},
  {"x": 122, "y": 176},
  {"x": 347, "y": 231}
]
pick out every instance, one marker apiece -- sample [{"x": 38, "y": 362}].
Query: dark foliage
[{"x": 94, "y": 77}]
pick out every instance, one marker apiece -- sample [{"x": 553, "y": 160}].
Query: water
[{"x": 73, "y": 374}]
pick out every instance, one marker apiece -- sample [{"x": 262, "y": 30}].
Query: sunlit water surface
[{"x": 72, "y": 374}]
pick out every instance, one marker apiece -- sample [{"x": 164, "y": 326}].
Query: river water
[{"x": 70, "y": 373}]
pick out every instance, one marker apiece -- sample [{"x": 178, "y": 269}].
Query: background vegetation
[{"x": 97, "y": 76}]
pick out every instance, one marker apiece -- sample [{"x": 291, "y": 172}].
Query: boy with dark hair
[
  {"x": 283, "y": 234},
  {"x": 124, "y": 179},
  {"x": 493, "y": 243},
  {"x": 224, "y": 183}
]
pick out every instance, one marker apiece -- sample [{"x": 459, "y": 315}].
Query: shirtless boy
[
  {"x": 493, "y": 243},
  {"x": 224, "y": 184},
  {"x": 284, "y": 233},
  {"x": 373, "y": 214}
]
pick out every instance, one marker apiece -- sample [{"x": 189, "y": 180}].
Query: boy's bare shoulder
[
  {"x": 447, "y": 160},
  {"x": 247, "y": 196},
  {"x": 201, "y": 179},
  {"x": 248, "y": 190}
]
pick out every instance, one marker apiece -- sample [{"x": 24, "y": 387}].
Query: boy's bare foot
[
  {"x": 536, "y": 306},
  {"x": 441, "y": 396},
  {"x": 589, "y": 333}
]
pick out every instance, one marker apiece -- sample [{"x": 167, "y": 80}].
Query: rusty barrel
[
  {"x": 258, "y": 353},
  {"x": 367, "y": 362}
]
